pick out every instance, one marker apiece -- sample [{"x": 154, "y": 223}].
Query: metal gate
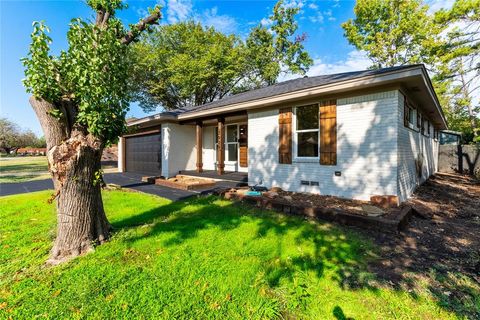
[{"x": 143, "y": 154}]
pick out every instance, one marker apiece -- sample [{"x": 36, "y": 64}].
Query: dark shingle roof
[{"x": 290, "y": 86}]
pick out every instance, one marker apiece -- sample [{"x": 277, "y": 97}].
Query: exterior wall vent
[{"x": 309, "y": 183}]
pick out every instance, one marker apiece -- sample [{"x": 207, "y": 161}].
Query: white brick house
[{"x": 351, "y": 135}]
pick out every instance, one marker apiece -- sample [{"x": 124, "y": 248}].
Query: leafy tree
[
  {"x": 9, "y": 136},
  {"x": 398, "y": 32},
  {"x": 80, "y": 98},
  {"x": 40, "y": 143},
  {"x": 186, "y": 64},
  {"x": 459, "y": 65},
  {"x": 392, "y": 32},
  {"x": 28, "y": 139},
  {"x": 13, "y": 138}
]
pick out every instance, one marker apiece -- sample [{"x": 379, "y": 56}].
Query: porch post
[
  {"x": 221, "y": 146},
  {"x": 199, "y": 130}
]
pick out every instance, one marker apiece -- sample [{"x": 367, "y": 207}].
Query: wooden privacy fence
[{"x": 459, "y": 158}]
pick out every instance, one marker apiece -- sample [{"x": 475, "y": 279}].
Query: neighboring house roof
[{"x": 295, "y": 88}]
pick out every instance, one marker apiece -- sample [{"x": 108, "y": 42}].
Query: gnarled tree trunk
[{"x": 74, "y": 161}]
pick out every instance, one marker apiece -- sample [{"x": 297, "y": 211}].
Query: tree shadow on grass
[{"x": 339, "y": 253}]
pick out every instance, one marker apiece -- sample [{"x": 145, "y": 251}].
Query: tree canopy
[
  {"x": 87, "y": 83},
  {"x": 81, "y": 97},
  {"x": 187, "y": 64},
  {"x": 398, "y": 32},
  {"x": 392, "y": 32},
  {"x": 458, "y": 70},
  {"x": 12, "y": 137}
]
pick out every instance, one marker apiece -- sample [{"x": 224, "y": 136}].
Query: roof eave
[{"x": 341, "y": 86}]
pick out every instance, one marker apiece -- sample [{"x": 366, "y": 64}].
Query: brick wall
[
  {"x": 366, "y": 150},
  {"x": 413, "y": 146}
]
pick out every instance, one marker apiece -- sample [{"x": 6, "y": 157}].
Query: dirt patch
[
  {"x": 446, "y": 239},
  {"x": 447, "y": 236},
  {"x": 185, "y": 182}
]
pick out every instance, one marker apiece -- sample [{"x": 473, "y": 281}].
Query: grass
[
  {"x": 21, "y": 169},
  {"x": 201, "y": 258}
]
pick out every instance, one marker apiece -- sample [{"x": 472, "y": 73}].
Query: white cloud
[
  {"x": 266, "y": 22},
  {"x": 183, "y": 10},
  {"x": 178, "y": 10},
  {"x": 318, "y": 18},
  {"x": 355, "y": 61},
  {"x": 294, "y": 4},
  {"x": 223, "y": 23},
  {"x": 313, "y": 6}
]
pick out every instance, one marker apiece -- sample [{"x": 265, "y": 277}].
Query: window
[
  {"x": 409, "y": 116},
  {"x": 306, "y": 131},
  {"x": 231, "y": 142},
  {"x": 425, "y": 127}
]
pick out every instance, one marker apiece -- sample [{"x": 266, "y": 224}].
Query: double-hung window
[{"x": 306, "y": 135}]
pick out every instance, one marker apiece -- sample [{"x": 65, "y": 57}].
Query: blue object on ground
[{"x": 253, "y": 193}]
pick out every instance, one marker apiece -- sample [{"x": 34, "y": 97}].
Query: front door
[{"x": 236, "y": 140}]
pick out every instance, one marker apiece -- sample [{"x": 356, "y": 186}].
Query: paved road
[{"x": 126, "y": 180}]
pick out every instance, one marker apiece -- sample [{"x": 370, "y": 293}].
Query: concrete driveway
[{"x": 126, "y": 180}]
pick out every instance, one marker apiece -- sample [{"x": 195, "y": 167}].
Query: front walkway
[{"x": 125, "y": 180}]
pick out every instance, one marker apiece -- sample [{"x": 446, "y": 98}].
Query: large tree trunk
[
  {"x": 82, "y": 223},
  {"x": 74, "y": 161}
]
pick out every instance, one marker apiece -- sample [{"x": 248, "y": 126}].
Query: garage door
[{"x": 143, "y": 154}]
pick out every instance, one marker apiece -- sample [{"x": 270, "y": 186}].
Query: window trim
[
  {"x": 411, "y": 111},
  {"x": 295, "y": 157}
]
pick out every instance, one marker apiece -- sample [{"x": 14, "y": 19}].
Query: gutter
[{"x": 159, "y": 117}]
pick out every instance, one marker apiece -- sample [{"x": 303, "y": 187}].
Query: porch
[
  {"x": 221, "y": 147},
  {"x": 230, "y": 176}
]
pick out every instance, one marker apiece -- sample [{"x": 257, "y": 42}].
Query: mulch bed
[
  {"x": 347, "y": 205},
  {"x": 340, "y": 210}
]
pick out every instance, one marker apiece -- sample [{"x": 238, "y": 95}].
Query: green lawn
[
  {"x": 202, "y": 258},
  {"x": 20, "y": 169}
]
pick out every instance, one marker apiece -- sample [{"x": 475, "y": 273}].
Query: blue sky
[{"x": 319, "y": 19}]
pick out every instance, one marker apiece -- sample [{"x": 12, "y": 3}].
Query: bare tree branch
[{"x": 140, "y": 26}]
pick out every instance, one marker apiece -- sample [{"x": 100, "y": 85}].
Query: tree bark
[
  {"x": 81, "y": 218},
  {"x": 74, "y": 161}
]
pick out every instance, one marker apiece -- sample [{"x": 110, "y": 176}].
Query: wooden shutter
[
  {"x": 328, "y": 132},
  {"x": 285, "y": 136},
  {"x": 405, "y": 112}
]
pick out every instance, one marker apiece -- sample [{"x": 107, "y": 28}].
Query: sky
[{"x": 320, "y": 20}]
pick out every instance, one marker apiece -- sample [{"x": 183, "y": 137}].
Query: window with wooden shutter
[
  {"x": 328, "y": 132},
  {"x": 285, "y": 136}
]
